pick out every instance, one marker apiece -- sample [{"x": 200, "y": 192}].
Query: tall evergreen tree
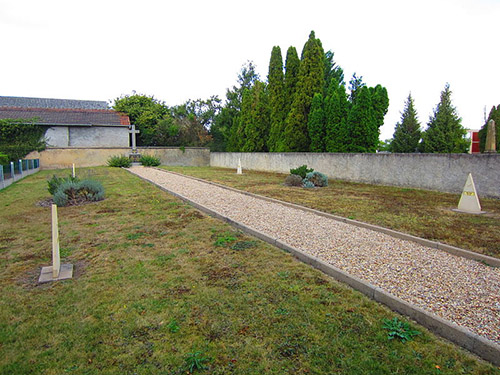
[
  {"x": 445, "y": 133},
  {"x": 355, "y": 84},
  {"x": 316, "y": 124},
  {"x": 495, "y": 116},
  {"x": 255, "y": 119},
  {"x": 336, "y": 110},
  {"x": 292, "y": 66},
  {"x": 407, "y": 133},
  {"x": 276, "y": 89},
  {"x": 332, "y": 71},
  {"x": 363, "y": 135},
  {"x": 310, "y": 81}
]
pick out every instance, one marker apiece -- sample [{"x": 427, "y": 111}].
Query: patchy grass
[
  {"x": 422, "y": 213},
  {"x": 160, "y": 288}
]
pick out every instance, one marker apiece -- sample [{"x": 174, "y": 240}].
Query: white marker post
[
  {"x": 469, "y": 201},
  {"x": 74, "y": 174},
  {"x": 56, "y": 259},
  {"x": 238, "y": 171}
]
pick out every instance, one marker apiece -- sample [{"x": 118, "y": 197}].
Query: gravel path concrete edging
[
  {"x": 463, "y": 337},
  {"x": 495, "y": 262}
]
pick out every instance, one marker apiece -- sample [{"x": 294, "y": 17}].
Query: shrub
[
  {"x": 74, "y": 192},
  {"x": 301, "y": 171},
  {"x": 55, "y": 182},
  {"x": 307, "y": 184},
  {"x": 119, "y": 161},
  {"x": 4, "y": 159},
  {"x": 293, "y": 180},
  {"x": 317, "y": 178},
  {"x": 150, "y": 161}
]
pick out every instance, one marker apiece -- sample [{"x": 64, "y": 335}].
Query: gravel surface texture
[{"x": 460, "y": 290}]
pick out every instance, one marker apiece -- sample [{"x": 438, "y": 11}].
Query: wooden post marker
[
  {"x": 74, "y": 174},
  {"x": 238, "y": 171},
  {"x": 56, "y": 271},
  {"x": 469, "y": 201}
]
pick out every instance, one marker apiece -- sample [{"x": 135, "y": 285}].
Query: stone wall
[
  {"x": 87, "y": 136},
  {"x": 441, "y": 172},
  {"x": 64, "y": 157}
]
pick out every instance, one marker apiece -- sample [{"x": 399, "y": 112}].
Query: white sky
[{"x": 189, "y": 49}]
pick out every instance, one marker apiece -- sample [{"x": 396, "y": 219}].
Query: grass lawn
[
  {"x": 160, "y": 288},
  {"x": 422, "y": 213}
]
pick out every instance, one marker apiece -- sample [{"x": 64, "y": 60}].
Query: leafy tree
[
  {"x": 20, "y": 137},
  {"x": 310, "y": 81},
  {"x": 316, "y": 124},
  {"x": 363, "y": 133},
  {"x": 145, "y": 112},
  {"x": 336, "y": 111},
  {"x": 495, "y": 116},
  {"x": 407, "y": 133},
  {"x": 255, "y": 118},
  {"x": 445, "y": 133},
  {"x": 276, "y": 88}
]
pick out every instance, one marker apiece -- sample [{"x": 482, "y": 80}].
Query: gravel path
[{"x": 460, "y": 290}]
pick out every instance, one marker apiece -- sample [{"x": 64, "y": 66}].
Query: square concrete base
[{"x": 65, "y": 272}]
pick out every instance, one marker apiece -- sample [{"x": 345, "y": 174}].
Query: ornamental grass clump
[
  {"x": 72, "y": 193},
  {"x": 119, "y": 161},
  {"x": 150, "y": 161},
  {"x": 55, "y": 182}
]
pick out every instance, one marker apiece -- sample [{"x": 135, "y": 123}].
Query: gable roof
[
  {"x": 14, "y": 101},
  {"x": 67, "y": 117}
]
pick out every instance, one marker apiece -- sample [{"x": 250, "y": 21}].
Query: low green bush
[
  {"x": 293, "y": 180},
  {"x": 301, "y": 171},
  {"x": 119, "y": 161},
  {"x": 150, "y": 161},
  {"x": 317, "y": 178},
  {"x": 307, "y": 184},
  {"x": 76, "y": 192},
  {"x": 55, "y": 182}
]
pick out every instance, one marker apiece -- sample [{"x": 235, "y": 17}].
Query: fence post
[
  {"x": 21, "y": 167},
  {"x": 12, "y": 175},
  {"x": 32, "y": 164},
  {"x": 1, "y": 177}
]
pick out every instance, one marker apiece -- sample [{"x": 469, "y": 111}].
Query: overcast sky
[{"x": 189, "y": 49}]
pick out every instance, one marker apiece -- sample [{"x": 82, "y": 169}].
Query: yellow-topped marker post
[{"x": 469, "y": 201}]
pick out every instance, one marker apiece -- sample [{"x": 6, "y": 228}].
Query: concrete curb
[
  {"x": 495, "y": 262},
  {"x": 463, "y": 337}
]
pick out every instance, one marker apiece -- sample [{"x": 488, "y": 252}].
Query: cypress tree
[
  {"x": 292, "y": 66},
  {"x": 495, "y": 116},
  {"x": 336, "y": 110},
  {"x": 310, "y": 81},
  {"x": 276, "y": 91},
  {"x": 407, "y": 133},
  {"x": 445, "y": 133},
  {"x": 255, "y": 119},
  {"x": 316, "y": 124},
  {"x": 363, "y": 137}
]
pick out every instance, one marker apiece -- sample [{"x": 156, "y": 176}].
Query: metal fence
[{"x": 17, "y": 170}]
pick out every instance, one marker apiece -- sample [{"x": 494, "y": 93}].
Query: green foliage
[
  {"x": 293, "y": 180},
  {"x": 173, "y": 326},
  {"x": 445, "y": 133},
  {"x": 301, "y": 171},
  {"x": 316, "y": 124},
  {"x": 307, "y": 184},
  {"x": 336, "y": 110},
  {"x": 276, "y": 89},
  {"x": 150, "y": 161},
  {"x": 223, "y": 240},
  {"x": 333, "y": 72},
  {"x": 255, "y": 119},
  {"x": 292, "y": 67},
  {"x": 119, "y": 161},
  {"x": 243, "y": 245},
  {"x": 407, "y": 133},
  {"x": 310, "y": 81},
  {"x": 317, "y": 178},
  {"x": 4, "y": 159},
  {"x": 495, "y": 116},
  {"x": 20, "y": 137},
  {"x": 75, "y": 192},
  {"x": 363, "y": 133},
  {"x": 399, "y": 330},
  {"x": 196, "y": 361},
  {"x": 55, "y": 182}
]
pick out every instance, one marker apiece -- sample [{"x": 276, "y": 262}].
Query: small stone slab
[{"x": 65, "y": 272}]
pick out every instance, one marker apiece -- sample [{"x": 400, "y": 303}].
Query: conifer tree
[
  {"x": 316, "y": 124},
  {"x": 445, "y": 133},
  {"x": 255, "y": 119},
  {"x": 407, "y": 133},
  {"x": 495, "y": 116},
  {"x": 310, "y": 81},
  {"x": 292, "y": 66},
  {"x": 276, "y": 91},
  {"x": 363, "y": 137},
  {"x": 336, "y": 110}
]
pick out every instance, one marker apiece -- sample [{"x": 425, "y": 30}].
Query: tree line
[{"x": 444, "y": 132}]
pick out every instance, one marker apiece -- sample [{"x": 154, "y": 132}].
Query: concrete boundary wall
[
  {"x": 64, "y": 157},
  {"x": 465, "y": 338},
  {"x": 441, "y": 172}
]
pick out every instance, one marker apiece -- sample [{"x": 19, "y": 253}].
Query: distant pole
[
  {"x": 21, "y": 167},
  {"x": 1, "y": 177},
  {"x": 56, "y": 259},
  {"x": 12, "y": 174},
  {"x": 74, "y": 174},
  {"x": 239, "y": 171}
]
